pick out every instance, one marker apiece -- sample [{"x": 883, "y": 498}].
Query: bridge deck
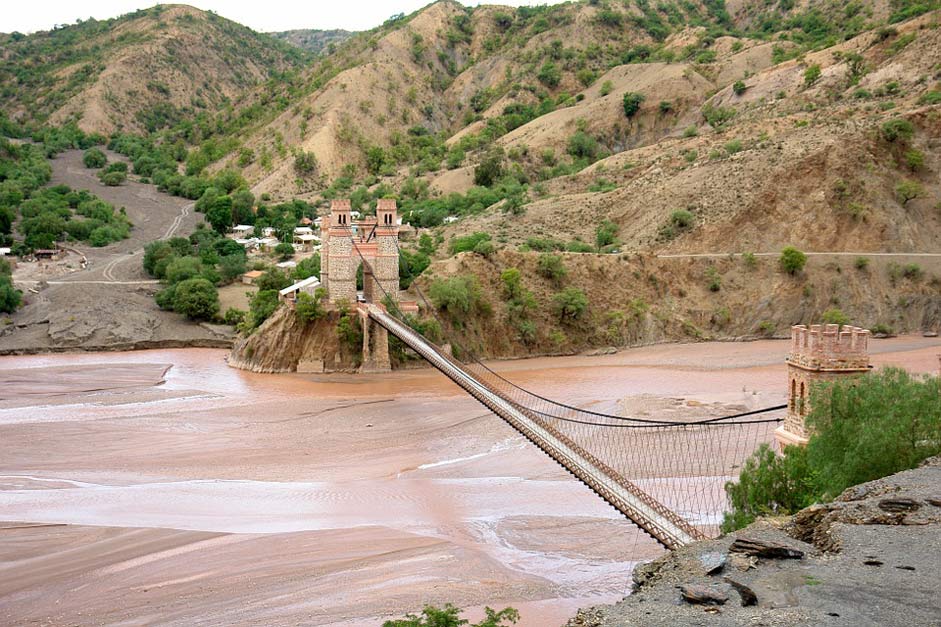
[{"x": 650, "y": 515}]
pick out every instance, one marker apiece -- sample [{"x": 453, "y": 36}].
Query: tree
[
  {"x": 570, "y": 304},
  {"x": 631, "y": 103},
  {"x": 582, "y": 146},
  {"x": 183, "y": 269},
  {"x": 310, "y": 308},
  {"x": 792, "y": 260},
  {"x": 606, "y": 234},
  {"x": 490, "y": 169},
  {"x": 153, "y": 253},
  {"x": 242, "y": 203},
  {"x": 262, "y": 305},
  {"x": 10, "y": 297},
  {"x": 375, "y": 159},
  {"x": 858, "y": 433},
  {"x": 273, "y": 280},
  {"x": 908, "y": 190},
  {"x": 284, "y": 250},
  {"x": 219, "y": 215},
  {"x": 739, "y": 87},
  {"x": 113, "y": 179},
  {"x": 458, "y": 295},
  {"x": 512, "y": 283},
  {"x": 307, "y": 268},
  {"x": 835, "y": 316},
  {"x": 94, "y": 158},
  {"x": 197, "y": 299}
]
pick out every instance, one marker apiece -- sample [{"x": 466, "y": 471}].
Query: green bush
[
  {"x": 606, "y": 88},
  {"x": 549, "y": 75},
  {"x": 467, "y": 243},
  {"x": 196, "y": 299},
  {"x": 792, "y": 260},
  {"x": 606, "y": 234},
  {"x": 908, "y": 190},
  {"x": 835, "y": 316},
  {"x": 570, "y": 304},
  {"x": 914, "y": 159},
  {"x": 94, "y": 158},
  {"x": 581, "y": 145},
  {"x": 262, "y": 305},
  {"x": 717, "y": 117},
  {"x": 284, "y": 251},
  {"x": 10, "y": 297},
  {"x": 551, "y": 267},
  {"x": 113, "y": 179},
  {"x": 449, "y": 616},
  {"x": 307, "y": 268},
  {"x": 861, "y": 263},
  {"x": 739, "y": 87},
  {"x": 631, "y": 103},
  {"x": 310, "y": 308},
  {"x": 859, "y": 433},
  {"x": 898, "y": 129},
  {"x": 460, "y": 296},
  {"x": 811, "y": 74},
  {"x": 234, "y": 317}
]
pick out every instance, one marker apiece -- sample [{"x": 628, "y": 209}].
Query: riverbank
[{"x": 209, "y": 494}]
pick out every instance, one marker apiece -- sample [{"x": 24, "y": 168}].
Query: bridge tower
[
  {"x": 338, "y": 259},
  {"x": 820, "y": 353},
  {"x": 386, "y": 265}
]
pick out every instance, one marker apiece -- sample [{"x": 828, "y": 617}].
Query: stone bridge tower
[
  {"x": 821, "y": 353},
  {"x": 371, "y": 242}
]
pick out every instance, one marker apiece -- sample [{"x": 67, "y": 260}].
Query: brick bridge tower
[
  {"x": 821, "y": 353},
  {"x": 373, "y": 243}
]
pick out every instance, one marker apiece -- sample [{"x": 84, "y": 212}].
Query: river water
[{"x": 163, "y": 486}]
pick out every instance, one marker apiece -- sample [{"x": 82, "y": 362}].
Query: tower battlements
[{"x": 829, "y": 347}]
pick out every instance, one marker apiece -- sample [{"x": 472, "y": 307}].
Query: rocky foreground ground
[{"x": 871, "y": 557}]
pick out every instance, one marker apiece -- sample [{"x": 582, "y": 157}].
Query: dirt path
[{"x": 109, "y": 303}]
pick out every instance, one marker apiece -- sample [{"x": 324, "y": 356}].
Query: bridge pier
[{"x": 375, "y": 346}]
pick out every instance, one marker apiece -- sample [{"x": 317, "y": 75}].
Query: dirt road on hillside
[{"x": 108, "y": 305}]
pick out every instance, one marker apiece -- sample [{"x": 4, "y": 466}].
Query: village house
[
  {"x": 249, "y": 277},
  {"x": 242, "y": 230},
  {"x": 5, "y": 252}
]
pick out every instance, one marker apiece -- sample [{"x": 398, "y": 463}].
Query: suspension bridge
[{"x": 666, "y": 476}]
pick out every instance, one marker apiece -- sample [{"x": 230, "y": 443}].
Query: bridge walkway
[{"x": 661, "y": 523}]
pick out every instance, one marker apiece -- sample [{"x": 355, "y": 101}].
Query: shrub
[
  {"x": 714, "y": 279},
  {"x": 234, "y": 317},
  {"x": 449, "y": 616},
  {"x": 310, "y": 308},
  {"x": 691, "y": 131},
  {"x": 682, "y": 219},
  {"x": 113, "y": 179},
  {"x": 859, "y": 433},
  {"x": 490, "y": 169},
  {"x": 835, "y": 316},
  {"x": 570, "y": 304},
  {"x": 94, "y": 158},
  {"x": 861, "y": 263},
  {"x": 811, "y": 74},
  {"x": 582, "y": 146},
  {"x": 751, "y": 262},
  {"x": 512, "y": 283},
  {"x": 914, "y": 159},
  {"x": 665, "y": 106},
  {"x": 739, "y": 88},
  {"x": 930, "y": 98},
  {"x": 467, "y": 242},
  {"x": 550, "y": 266},
  {"x": 717, "y": 117},
  {"x": 549, "y": 75},
  {"x": 631, "y": 103},
  {"x": 897, "y": 129},
  {"x": 196, "y": 299},
  {"x": 305, "y": 163},
  {"x": 733, "y": 146},
  {"x": 792, "y": 260},
  {"x": 908, "y": 190},
  {"x": 606, "y": 88}
]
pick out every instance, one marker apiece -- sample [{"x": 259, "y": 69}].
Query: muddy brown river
[{"x": 165, "y": 487}]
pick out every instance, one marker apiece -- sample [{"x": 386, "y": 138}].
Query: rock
[
  {"x": 712, "y": 562},
  {"x": 703, "y": 595},
  {"x": 763, "y": 548},
  {"x": 930, "y": 334},
  {"x": 933, "y": 501},
  {"x": 748, "y": 595},
  {"x": 899, "y": 505},
  {"x": 743, "y": 562}
]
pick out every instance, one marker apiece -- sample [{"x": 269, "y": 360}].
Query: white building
[
  {"x": 242, "y": 230},
  {"x": 308, "y": 286},
  {"x": 5, "y": 251}
]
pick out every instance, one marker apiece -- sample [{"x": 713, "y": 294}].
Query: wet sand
[{"x": 205, "y": 495}]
